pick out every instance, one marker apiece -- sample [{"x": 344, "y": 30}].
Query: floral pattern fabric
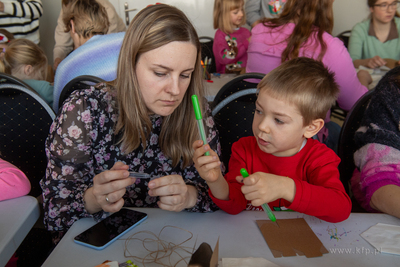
[{"x": 82, "y": 143}]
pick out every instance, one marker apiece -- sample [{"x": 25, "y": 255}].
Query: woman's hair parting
[
  {"x": 89, "y": 17},
  {"x": 305, "y": 83},
  {"x": 153, "y": 27},
  {"x": 312, "y": 18},
  {"x": 222, "y": 18},
  {"x": 23, "y": 52}
]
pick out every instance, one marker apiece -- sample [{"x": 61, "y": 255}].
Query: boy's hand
[
  {"x": 262, "y": 188},
  {"x": 207, "y": 166}
]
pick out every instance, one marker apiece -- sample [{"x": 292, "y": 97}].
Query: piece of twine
[{"x": 160, "y": 251}]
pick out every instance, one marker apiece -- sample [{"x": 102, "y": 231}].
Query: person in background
[
  {"x": 26, "y": 61},
  {"x": 96, "y": 52},
  {"x": 5, "y": 39},
  {"x": 304, "y": 30},
  {"x": 288, "y": 169},
  {"x": 63, "y": 41},
  {"x": 21, "y": 18},
  {"x": 377, "y": 38},
  {"x": 13, "y": 182},
  {"x": 231, "y": 40},
  {"x": 259, "y": 9},
  {"x": 143, "y": 121},
  {"x": 376, "y": 180}
]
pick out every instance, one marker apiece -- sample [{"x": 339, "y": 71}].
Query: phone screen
[{"x": 111, "y": 228}]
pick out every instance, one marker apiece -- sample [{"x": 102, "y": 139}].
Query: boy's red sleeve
[
  {"x": 322, "y": 195},
  {"x": 237, "y": 201}
]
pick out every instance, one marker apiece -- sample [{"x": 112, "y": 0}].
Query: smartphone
[{"x": 102, "y": 234}]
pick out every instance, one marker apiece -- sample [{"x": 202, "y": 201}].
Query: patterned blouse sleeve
[
  {"x": 70, "y": 162},
  {"x": 192, "y": 177}
]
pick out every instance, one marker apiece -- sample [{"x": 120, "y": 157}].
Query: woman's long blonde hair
[
  {"x": 312, "y": 18},
  {"x": 153, "y": 27},
  {"x": 22, "y": 52}
]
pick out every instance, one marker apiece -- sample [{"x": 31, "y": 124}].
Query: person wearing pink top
[
  {"x": 309, "y": 37},
  {"x": 13, "y": 182}
]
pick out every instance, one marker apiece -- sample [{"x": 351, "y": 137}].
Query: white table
[
  {"x": 217, "y": 83},
  {"x": 239, "y": 237},
  {"x": 17, "y": 217}
]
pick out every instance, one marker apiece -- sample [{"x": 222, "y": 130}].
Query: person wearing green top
[{"x": 376, "y": 39}]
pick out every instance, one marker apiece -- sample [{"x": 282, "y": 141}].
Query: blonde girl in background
[
  {"x": 231, "y": 40},
  {"x": 25, "y": 60}
]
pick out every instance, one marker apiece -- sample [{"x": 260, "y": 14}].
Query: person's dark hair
[
  {"x": 312, "y": 18},
  {"x": 153, "y": 27},
  {"x": 303, "y": 82}
]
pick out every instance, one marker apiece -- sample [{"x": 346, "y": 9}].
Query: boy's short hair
[
  {"x": 89, "y": 17},
  {"x": 303, "y": 82}
]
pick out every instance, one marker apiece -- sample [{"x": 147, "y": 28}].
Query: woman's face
[
  {"x": 164, "y": 75},
  {"x": 381, "y": 14}
]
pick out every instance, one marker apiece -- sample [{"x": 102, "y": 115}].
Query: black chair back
[
  {"x": 78, "y": 83},
  {"x": 25, "y": 119},
  {"x": 347, "y": 146},
  {"x": 344, "y": 36}
]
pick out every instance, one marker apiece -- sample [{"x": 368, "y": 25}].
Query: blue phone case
[{"x": 106, "y": 226}]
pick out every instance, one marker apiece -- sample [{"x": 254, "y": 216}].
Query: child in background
[
  {"x": 13, "y": 182},
  {"x": 5, "y": 38},
  {"x": 25, "y": 60},
  {"x": 231, "y": 40},
  {"x": 288, "y": 169}
]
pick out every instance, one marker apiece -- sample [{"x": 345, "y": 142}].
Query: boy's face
[{"x": 277, "y": 126}]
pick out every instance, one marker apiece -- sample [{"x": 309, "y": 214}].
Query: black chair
[
  {"x": 25, "y": 119},
  {"x": 9, "y": 79},
  {"x": 344, "y": 36},
  {"x": 347, "y": 147},
  {"x": 237, "y": 84},
  {"x": 233, "y": 117},
  {"x": 77, "y": 83},
  {"x": 338, "y": 112},
  {"x": 207, "y": 51}
]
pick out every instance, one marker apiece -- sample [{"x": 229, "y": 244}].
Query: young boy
[{"x": 288, "y": 169}]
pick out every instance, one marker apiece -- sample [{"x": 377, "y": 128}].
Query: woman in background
[{"x": 377, "y": 38}]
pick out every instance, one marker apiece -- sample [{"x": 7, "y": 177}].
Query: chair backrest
[
  {"x": 345, "y": 36},
  {"x": 241, "y": 82},
  {"x": 347, "y": 147},
  {"x": 9, "y": 79},
  {"x": 97, "y": 57},
  {"x": 207, "y": 51},
  {"x": 234, "y": 118},
  {"x": 77, "y": 83},
  {"x": 25, "y": 120}
]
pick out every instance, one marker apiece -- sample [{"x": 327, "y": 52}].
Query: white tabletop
[
  {"x": 213, "y": 87},
  {"x": 239, "y": 237},
  {"x": 18, "y": 215}
]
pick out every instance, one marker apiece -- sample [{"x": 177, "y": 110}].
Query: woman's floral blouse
[{"x": 82, "y": 143}]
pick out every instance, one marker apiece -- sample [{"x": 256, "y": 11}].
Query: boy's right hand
[{"x": 207, "y": 166}]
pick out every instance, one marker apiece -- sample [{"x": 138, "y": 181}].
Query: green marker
[
  {"x": 199, "y": 118},
  {"x": 265, "y": 206}
]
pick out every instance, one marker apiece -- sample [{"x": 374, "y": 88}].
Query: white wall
[
  {"x": 346, "y": 14},
  {"x": 47, "y": 25}
]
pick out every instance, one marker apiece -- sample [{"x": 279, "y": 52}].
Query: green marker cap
[
  {"x": 244, "y": 173},
  {"x": 196, "y": 106}
]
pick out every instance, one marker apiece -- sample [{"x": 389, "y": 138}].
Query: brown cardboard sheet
[{"x": 288, "y": 237}]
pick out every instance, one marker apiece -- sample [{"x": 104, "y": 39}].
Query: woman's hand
[
  {"x": 375, "y": 62},
  {"x": 174, "y": 194},
  {"x": 108, "y": 189},
  {"x": 262, "y": 188}
]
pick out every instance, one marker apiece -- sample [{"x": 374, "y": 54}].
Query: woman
[
  {"x": 376, "y": 39},
  {"x": 303, "y": 30},
  {"x": 376, "y": 181},
  {"x": 143, "y": 121}
]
